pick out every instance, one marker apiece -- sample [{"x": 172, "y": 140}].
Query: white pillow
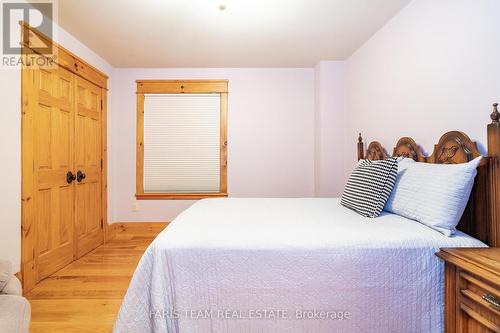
[
  {"x": 433, "y": 194},
  {"x": 404, "y": 162}
]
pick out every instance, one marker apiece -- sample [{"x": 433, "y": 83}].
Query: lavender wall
[
  {"x": 434, "y": 67},
  {"x": 270, "y": 136},
  {"x": 329, "y": 126}
]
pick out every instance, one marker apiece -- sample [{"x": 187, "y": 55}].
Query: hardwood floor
[{"x": 86, "y": 295}]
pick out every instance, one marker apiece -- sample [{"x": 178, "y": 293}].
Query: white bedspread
[{"x": 252, "y": 265}]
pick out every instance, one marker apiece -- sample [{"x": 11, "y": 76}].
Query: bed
[{"x": 305, "y": 265}]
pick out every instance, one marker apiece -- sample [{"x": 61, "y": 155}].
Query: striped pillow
[{"x": 369, "y": 186}]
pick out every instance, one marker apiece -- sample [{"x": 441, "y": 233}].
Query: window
[{"x": 181, "y": 139}]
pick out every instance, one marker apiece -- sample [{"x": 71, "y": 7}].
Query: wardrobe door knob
[
  {"x": 70, "y": 177},
  {"x": 80, "y": 176}
]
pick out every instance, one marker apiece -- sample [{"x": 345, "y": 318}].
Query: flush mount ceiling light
[{"x": 222, "y": 7}]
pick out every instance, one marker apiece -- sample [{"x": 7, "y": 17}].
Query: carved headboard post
[
  {"x": 361, "y": 148},
  {"x": 494, "y": 172}
]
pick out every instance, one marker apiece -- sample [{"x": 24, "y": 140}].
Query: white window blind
[{"x": 181, "y": 143}]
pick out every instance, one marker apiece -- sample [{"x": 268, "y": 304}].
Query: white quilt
[{"x": 288, "y": 265}]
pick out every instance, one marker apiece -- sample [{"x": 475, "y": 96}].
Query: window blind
[{"x": 181, "y": 143}]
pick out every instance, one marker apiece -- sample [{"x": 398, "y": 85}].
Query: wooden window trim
[{"x": 177, "y": 87}]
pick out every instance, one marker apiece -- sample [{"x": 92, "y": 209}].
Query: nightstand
[{"x": 472, "y": 289}]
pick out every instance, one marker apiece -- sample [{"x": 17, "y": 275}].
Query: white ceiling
[{"x": 249, "y": 33}]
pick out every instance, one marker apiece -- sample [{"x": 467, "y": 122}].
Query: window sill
[{"x": 178, "y": 196}]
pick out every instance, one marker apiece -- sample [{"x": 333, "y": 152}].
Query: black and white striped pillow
[{"x": 369, "y": 186}]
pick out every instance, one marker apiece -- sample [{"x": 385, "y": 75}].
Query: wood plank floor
[{"x": 86, "y": 295}]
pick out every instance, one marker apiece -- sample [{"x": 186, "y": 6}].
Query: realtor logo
[{"x": 38, "y": 15}]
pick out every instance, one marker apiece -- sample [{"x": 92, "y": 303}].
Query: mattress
[{"x": 243, "y": 265}]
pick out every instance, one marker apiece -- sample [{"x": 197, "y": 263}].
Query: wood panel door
[
  {"x": 63, "y": 130},
  {"x": 88, "y": 166},
  {"x": 53, "y": 157}
]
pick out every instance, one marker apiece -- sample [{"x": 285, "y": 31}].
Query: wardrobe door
[
  {"x": 88, "y": 166},
  {"x": 52, "y": 101}
]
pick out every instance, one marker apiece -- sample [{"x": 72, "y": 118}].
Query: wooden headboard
[{"x": 481, "y": 218}]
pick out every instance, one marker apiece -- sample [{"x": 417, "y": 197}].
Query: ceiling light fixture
[{"x": 222, "y": 7}]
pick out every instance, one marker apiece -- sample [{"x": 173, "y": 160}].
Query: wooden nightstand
[{"x": 472, "y": 290}]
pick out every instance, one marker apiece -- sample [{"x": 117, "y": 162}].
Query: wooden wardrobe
[{"x": 64, "y": 200}]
